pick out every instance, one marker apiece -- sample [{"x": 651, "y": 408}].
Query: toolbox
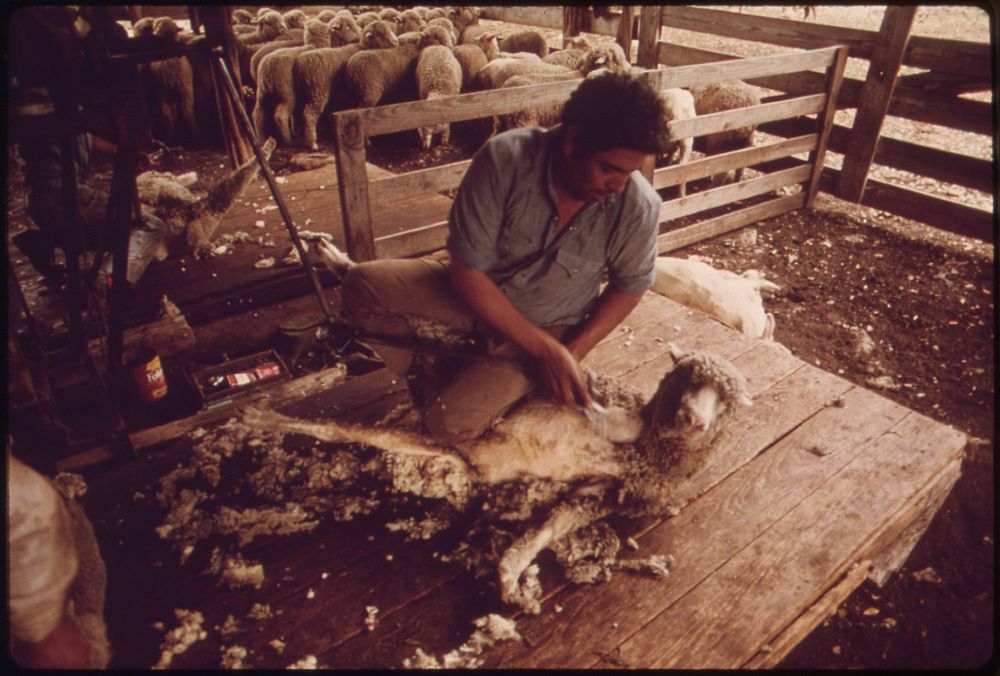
[{"x": 222, "y": 383}]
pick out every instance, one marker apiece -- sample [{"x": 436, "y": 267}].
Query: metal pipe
[{"x": 244, "y": 119}]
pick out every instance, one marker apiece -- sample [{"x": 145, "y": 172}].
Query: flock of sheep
[{"x": 301, "y": 68}]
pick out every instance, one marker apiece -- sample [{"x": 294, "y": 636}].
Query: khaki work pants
[{"x": 412, "y": 299}]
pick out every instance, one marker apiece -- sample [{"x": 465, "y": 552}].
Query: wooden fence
[
  {"x": 954, "y": 67},
  {"x": 357, "y": 193}
]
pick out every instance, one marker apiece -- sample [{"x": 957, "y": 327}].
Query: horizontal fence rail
[{"x": 358, "y": 193}]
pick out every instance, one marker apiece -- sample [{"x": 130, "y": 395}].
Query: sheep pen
[{"x": 897, "y": 307}]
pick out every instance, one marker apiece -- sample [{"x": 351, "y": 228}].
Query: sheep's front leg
[
  {"x": 283, "y": 121},
  {"x": 311, "y": 113},
  {"x": 564, "y": 519}
]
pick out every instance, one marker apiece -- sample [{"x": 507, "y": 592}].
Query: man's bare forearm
[
  {"x": 489, "y": 303},
  {"x": 612, "y": 308}
]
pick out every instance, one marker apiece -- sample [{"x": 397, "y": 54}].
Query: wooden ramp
[{"x": 818, "y": 485}]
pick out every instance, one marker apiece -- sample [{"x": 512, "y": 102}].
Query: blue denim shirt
[{"x": 503, "y": 222}]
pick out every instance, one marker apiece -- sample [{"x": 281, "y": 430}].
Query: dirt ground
[{"x": 887, "y": 303}]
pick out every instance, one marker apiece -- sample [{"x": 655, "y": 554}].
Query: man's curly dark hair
[{"x": 616, "y": 110}]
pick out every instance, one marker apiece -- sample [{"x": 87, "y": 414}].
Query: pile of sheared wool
[
  {"x": 179, "y": 639},
  {"x": 490, "y": 629}
]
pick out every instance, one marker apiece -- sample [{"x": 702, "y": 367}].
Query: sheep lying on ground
[
  {"x": 190, "y": 219},
  {"x": 276, "y": 86},
  {"x": 680, "y": 106},
  {"x": 526, "y": 41},
  {"x": 438, "y": 74},
  {"x": 319, "y": 74},
  {"x": 715, "y": 98},
  {"x": 732, "y": 299},
  {"x": 624, "y": 457}
]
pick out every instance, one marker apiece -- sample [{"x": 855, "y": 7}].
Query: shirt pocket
[{"x": 576, "y": 266}]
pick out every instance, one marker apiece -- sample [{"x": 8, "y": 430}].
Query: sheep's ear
[{"x": 601, "y": 60}]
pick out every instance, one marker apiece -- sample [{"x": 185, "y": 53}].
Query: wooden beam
[
  {"x": 624, "y": 34},
  {"x": 824, "y": 123},
  {"x": 649, "y": 35},
  {"x": 417, "y": 183},
  {"x": 713, "y": 227},
  {"x": 738, "y": 117},
  {"x": 274, "y": 396},
  {"x": 352, "y": 184},
  {"x": 219, "y": 31},
  {"x": 742, "y": 69},
  {"x": 572, "y": 20},
  {"x": 875, "y": 96},
  {"x": 727, "y": 194}
]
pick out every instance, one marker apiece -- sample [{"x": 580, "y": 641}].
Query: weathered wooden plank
[
  {"x": 942, "y": 165},
  {"x": 733, "y": 192},
  {"x": 168, "y": 336},
  {"x": 413, "y": 242},
  {"x": 353, "y": 186},
  {"x": 887, "y": 55},
  {"x": 724, "y": 621},
  {"x": 955, "y": 56},
  {"x": 742, "y": 69},
  {"x": 649, "y": 33},
  {"x": 417, "y": 183},
  {"x": 276, "y": 396},
  {"x": 712, "y": 227},
  {"x": 771, "y": 30},
  {"x": 780, "y": 646},
  {"x": 824, "y": 121},
  {"x": 745, "y": 157},
  {"x": 596, "y": 621},
  {"x": 739, "y": 117}
]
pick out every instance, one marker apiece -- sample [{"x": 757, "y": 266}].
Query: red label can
[{"x": 148, "y": 376}]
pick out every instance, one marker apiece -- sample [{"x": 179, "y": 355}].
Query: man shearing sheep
[{"x": 538, "y": 218}]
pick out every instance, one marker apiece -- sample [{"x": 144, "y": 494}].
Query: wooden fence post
[
  {"x": 887, "y": 55},
  {"x": 218, "y": 30},
  {"x": 624, "y": 37},
  {"x": 352, "y": 184},
  {"x": 572, "y": 20},
  {"x": 824, "y": 123},
  {"x": 650, "y": 18}
]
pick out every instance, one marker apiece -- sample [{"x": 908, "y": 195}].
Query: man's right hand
[{"x": 561, "y": 374}]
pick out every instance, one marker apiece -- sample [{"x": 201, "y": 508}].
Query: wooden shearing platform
[{"x": 818, "y": 485}]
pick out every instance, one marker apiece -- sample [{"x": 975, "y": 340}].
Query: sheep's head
[
  {"x": 409, "y": 21},
  {"x": 366, "y": 18},
  {"x": 294, "y": 18},
  {"x": 436, "y": 35},
  {"x": 143, "y": 27},
  {"x": 165, "y": 27},
  {"x": 317, "y": 34},
  {"x": 607, "y": 56},
  {"x": 261, "y": 11},
  {"x": 487, "y": 41},
  {"x": 463, "y": 16},
  {"x": 389, "y": 14},
  {"x": 444, "y": 23},
  {"x": 344, "y": 30},
  {"x": 270, "y": 24},
  {"x": 378, "y": 35},
  {"x": 241, "y": 16},
  {"x": 695, "y": 398}
]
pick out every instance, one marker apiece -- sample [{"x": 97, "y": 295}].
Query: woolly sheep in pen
[
  {"x": 389, "y": 14},
  {"x": 471, "y": 58},
  {"x": 270, "y": 25},
  {"x": 434, "y": 13},
  {"x": 294, "y": 18},
  {"x": 276, "y": 86},
  {"x": 171, "y": 84},
  {"x": 625, "y": 456},
  {"x": 466, "y": 22},
  {"x": 328, "y": 15},
  {"x": 529, "y": 41},
  {"x": 680, "y": 106},
  {"x": 408, "y": 20},
  {"x": 390, "y": 74},
  {"x": 445, "y": 23},
  {"x": 715, "y": 98},
  {"x": 241, "y": 16},
  {"x": 268, "y": 48},
  {"x": 607, "y": 57},
  {"x": 366, "y": 18},
  {"x": 319, "y": 74},
  {"x": 495, "y": 73},
  {"x": 438, "y": 74},
  {"x": 409, "y": 37},
  {"x": 344, "y": 30}
]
